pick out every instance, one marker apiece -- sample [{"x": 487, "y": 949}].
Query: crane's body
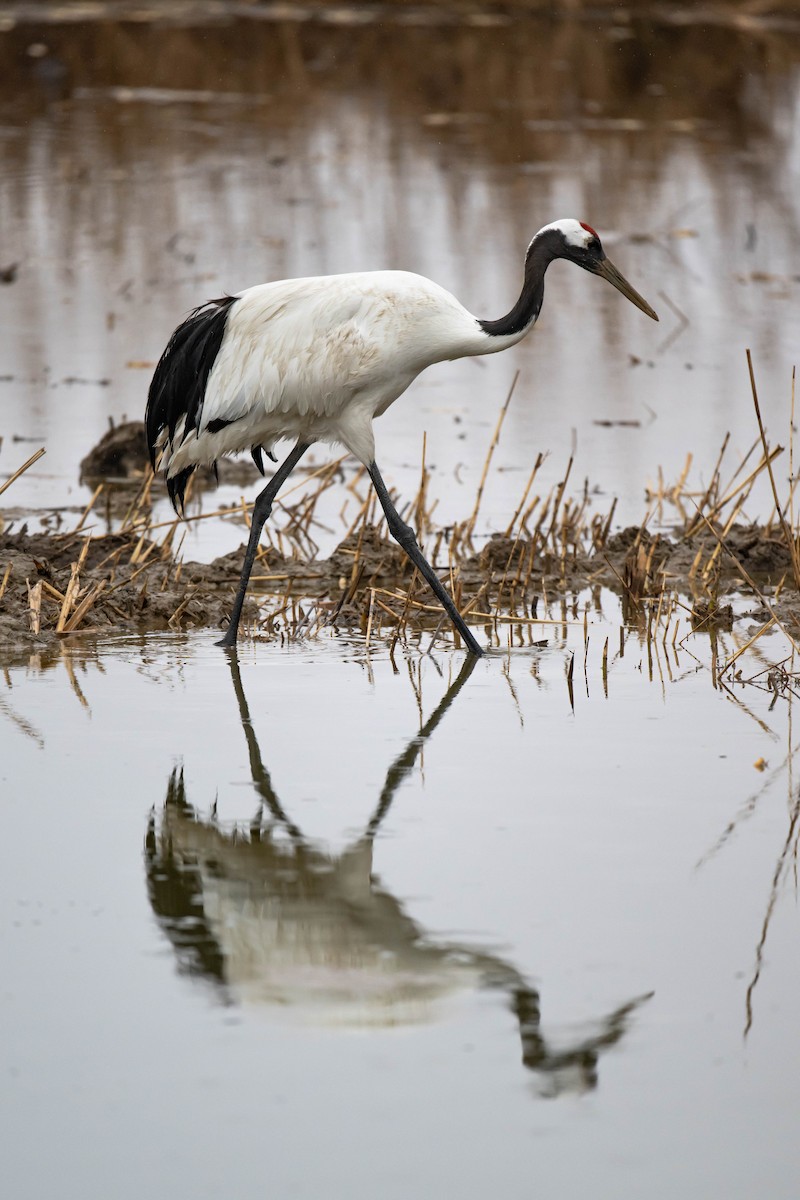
[{"x": 317, "y": 359}]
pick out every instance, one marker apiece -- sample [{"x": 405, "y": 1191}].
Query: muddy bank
[{"x": 62, "y": 585}]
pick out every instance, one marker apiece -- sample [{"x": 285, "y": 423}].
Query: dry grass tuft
[{"x": 555, "y": 544}]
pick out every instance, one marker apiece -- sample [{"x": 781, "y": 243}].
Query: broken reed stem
[
  {"x": 236, "y": 509},
  {"x": 35, "y": 606},
  {"x": 679, "y": 486},
  {"x": 53, "y": 591},
  {"x": 559, "y": 497},
  {"x": 369, "y": 616},
  {"x": 6, "y": 577},
  {"x": 715, "y": 477},
  {"x": 711, "y": 487},
  {"x": 470, "y": 527},
  {"x": 233, "y": 511},
  {"x": 130, "y": 579},
  {"x": 715, "y": 554},
  {"x": 751, "y": 582},
  {"x": 83, "y": 608},
  {"x": 626, "y": 587},
  {"x": 34, "y": 458},
  {"x": 726, "y": 666},
  {"x": 403, "y": 618},
  {"x": 746, "y": 483},
  {"x": 528, "y": 486},
  {"x": 135, "y": 506},
  {"x": 607, "y": 526},
  {"x": 792, "y": 546},
  {"x": 174, "y": 620},
  {"x": 357, "y": 571},
  {"x": 395, "y": 618},
  {"x": 88, "y": 508},
  {"x": 360, "y": 516},
  {"x": 510, "y": 618},
  {"x": 329, "y": 467},
  {"x": 509, "y": 561},
  {"x": 420, "y": 503},
  {"x": 743, "y": 464},
  {"x": 69, "y": 598}
]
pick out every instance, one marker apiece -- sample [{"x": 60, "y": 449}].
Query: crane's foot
[
  {"x": 471, "y": 645},
  {"x": 228, "y": 642}
]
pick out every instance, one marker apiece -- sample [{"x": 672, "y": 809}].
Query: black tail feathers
[
  {"x": 179, "y": 382},
  {"x": 176, "y": 486}
]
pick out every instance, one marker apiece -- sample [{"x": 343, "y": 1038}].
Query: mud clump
[
  {"x": 60, "y": 585},
  {"x": 120, "y": 454},
  {"x": 57, "y": 585},
  {"x": 763, "y": 553}
]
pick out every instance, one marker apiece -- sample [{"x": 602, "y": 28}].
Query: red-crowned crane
[{"x": 317, "y": 359}]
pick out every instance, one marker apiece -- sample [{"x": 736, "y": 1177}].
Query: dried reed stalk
[
  {"x": 88, "y": 508},
  {"x": 69, "y": 597},
  {"x": 528, "y": 486},
  {"x": 790, "y": 540},
  {"x": 6, "y": 577},
  {"x": 35, "y": 607},
  {"x": 83, "y": 608},
  {"x": 727, "y": 665},
  {"x": 713, "y": 487},
  {"x": 490, "y": 453},
  {"x": 752, "y": 583},
  {"x": 34, "y": 458}
]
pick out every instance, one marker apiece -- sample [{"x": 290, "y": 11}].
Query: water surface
[
  {"x": 260, "y": 931},
  {"x": 147, "y": 168},
  {"x": 321, "y": 924}
]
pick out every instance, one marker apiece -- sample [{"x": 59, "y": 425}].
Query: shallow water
[
  {"x": 146, "y": 168},
  {"x": 323, "y": 926},
  {"x": 522, "y": 945}
]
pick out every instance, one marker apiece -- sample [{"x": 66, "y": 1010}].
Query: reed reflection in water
[{"x": 269, "y": 918}]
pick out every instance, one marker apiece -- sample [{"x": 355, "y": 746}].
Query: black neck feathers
[{"x": 546, "y": 246}]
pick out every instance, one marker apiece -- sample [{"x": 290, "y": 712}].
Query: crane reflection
[{"x": 266, "y": 916}]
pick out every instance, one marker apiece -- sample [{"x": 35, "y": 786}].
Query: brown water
[{"x": 317, "y": 927}]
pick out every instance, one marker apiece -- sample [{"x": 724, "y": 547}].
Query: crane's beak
[{"x": 606, "y": 270}]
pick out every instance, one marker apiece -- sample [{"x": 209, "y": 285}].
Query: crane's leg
[
  {"x": 404, "y": 535},
  {"x": 261, "y": 510}
]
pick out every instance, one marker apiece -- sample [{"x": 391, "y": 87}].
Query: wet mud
[
  {"x": 134, "y": 114},
  {"x": 64, "y": 585}
]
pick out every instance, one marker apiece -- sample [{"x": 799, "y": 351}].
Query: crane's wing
[
  {"x": 303, "y": 346},
  {"x": 311, "y": 359}
]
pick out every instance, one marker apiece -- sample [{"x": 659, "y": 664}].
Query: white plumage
[{"x": 317, "y": 359}]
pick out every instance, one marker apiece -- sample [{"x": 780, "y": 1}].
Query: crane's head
[{"x": 579, "y": 243}]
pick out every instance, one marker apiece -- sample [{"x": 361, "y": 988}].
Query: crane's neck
[{"x": 522, "y": 316}]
